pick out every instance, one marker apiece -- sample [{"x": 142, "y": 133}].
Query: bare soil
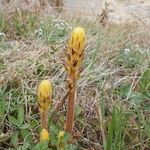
[{"x": 118, "y": 10}]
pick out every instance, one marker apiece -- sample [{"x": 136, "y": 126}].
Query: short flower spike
[
  {"x": 44, "y": 135},
  {"x": 45, "y": 95}
]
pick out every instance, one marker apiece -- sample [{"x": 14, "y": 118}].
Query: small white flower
[
  {"x": 67, "y": 24},
  {"x": 2, "y": 34},
  {"x": 61, "y": 28},
  {"x": 39, "y": 32},
  {"x": 62, "y": 24},
  {"x": 126, "y": 51},
  {"x": 141, "y": 51},
  {"x": 57, "y": 25}
]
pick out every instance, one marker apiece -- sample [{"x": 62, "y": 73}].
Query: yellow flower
[
  {"x": 44, "y": 135},
  {"x": 44, "y": 95}
]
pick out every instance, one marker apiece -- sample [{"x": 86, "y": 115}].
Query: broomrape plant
[
  {"x": 73, "y": 62},
  {"x": 44, "y": 102}
]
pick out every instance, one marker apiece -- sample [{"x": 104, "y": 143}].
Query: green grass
[{"x": 113, "y": 92}]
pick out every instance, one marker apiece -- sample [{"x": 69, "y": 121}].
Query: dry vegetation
[{"x": 113, "y": 92}]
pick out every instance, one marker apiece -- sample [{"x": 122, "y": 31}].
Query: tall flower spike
[
  {"x": 74, "y": 59},
  {"x": 44, "y": 101}
]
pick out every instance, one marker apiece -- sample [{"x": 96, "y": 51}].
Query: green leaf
[
  {"x": 26, "y": 135},
  {"x": 14, "y": 138},
  {"x": 36, "y": 147},
  {"x": 79, "y": 110},
  {"x": 145, "y": 82},
  {"x": 44, "y": 146},
  {"x": 20, "y": 115},
  {"x": 115, "y": 136},
  {"x": 34, "y": 124},
  {"x": 109, "y": 137},
  {"x": 2, "y": 108},
  {"x": 72, "y": 147},
  {"x": 41, "y": 146},
  {"x": 54, "y": 131},
  {"x": 137, "y": 97},
  {"x": 13, "y": 120},
  {"x": 25, "y": 126},
  {"x": 2, "y": 66},
  {"x": 25, "y": 146},
  {"x": 123, "y": 90}
]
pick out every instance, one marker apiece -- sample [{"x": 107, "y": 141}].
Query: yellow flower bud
[
  {"x": 61, "y": 143},
  {"x": 44, "y": 135},
  {"x": 44, "y": 95},
  {"x": 77, "y": 40},
  {"x": 61, "y": 134},
  {"x": 75, "y": 51}
]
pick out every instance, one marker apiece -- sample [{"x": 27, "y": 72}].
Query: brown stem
[
  {"x": 70, "y": 109},
  {"x": 44, "y": 119}
]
